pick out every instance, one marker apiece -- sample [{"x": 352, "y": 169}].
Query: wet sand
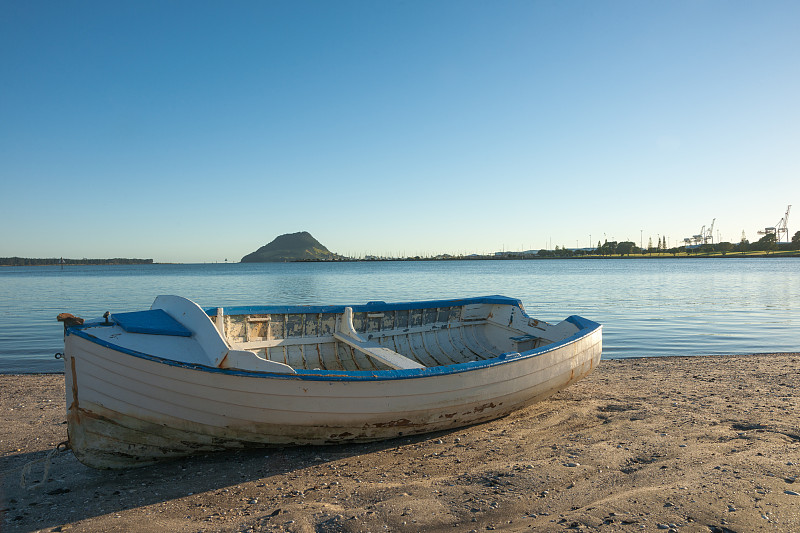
[{"x": 672, "y": 443}]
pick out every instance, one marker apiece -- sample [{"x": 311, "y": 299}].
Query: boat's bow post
[{"x": 69, "y": 320}]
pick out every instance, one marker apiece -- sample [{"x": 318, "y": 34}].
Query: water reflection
[{"x": 647, "y": 307}]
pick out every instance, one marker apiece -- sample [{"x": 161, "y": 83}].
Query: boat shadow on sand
[{"x": 74, "y": 492}]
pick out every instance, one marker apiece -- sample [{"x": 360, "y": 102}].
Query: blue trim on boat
[
  {"x": 371, "y": 307},
  {"x": 587, "y": 328}
]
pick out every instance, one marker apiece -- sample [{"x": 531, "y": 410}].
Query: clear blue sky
[{"x": 194, "y": 131}]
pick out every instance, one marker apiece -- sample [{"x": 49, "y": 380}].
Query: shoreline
[
  {"x": 509, "y": 257},
  {"x": 691, "y": 443}
]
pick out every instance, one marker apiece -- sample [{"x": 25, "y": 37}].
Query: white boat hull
[{"x": 127, "y": 410}]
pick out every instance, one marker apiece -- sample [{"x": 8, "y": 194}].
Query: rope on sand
[{"x": 25, "y": 470}]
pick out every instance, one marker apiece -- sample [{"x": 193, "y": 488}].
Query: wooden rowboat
[{"x": 178, "y": 380}]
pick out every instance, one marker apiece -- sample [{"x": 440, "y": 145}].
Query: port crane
[
  {"x": 698, "y": 239},
  {"x": 781, "y": 228},
  {"x": 704, "y": 237},
  {"x": 708, "y": 237}
]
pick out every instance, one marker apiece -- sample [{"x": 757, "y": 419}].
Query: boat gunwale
[
  {"x": 586, "y": 327},
  {"x": 374, "y": 306}
]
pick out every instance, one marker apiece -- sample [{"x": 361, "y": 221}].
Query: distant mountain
[{"x": 299, "y": 246}]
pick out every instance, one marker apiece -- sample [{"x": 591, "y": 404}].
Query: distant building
[{"x": 516, "y": 254}]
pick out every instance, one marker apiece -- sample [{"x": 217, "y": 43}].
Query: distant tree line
[
  {"x": 25, "y": 261},
  {"x": 767, "y": 244}
]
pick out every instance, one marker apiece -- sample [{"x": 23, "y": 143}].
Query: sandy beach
[{"x": 671, "y": 443}]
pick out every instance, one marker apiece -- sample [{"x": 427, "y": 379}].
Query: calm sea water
[{"x": 647, "y": 307}]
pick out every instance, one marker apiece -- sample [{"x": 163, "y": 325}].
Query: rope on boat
[{"x": 25, "y": 470}]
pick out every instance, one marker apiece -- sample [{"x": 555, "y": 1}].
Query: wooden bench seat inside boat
[{"x": 346, "y": 333}]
